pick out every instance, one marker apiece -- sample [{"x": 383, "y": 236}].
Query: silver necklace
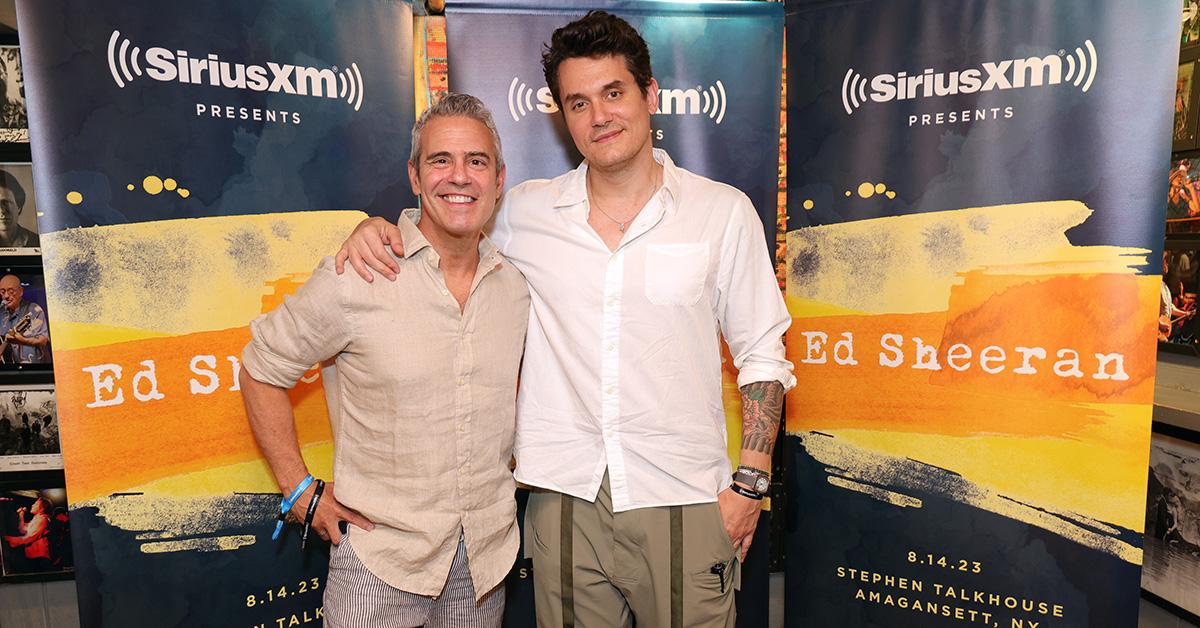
[{"x": 621, "y": 223}]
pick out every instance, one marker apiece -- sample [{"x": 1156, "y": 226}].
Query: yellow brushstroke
[
  {"x": 891, "y": 497},
  {"x": 180, "y": 276},
  {"x": 69, "y": 335},
  {"x": 246, "y": 477},
  {"x": 206, "y": 544},
  {"x": 1099, "y": 465},
  {"x": 869, "y": 265},
  {"x": 891, "y": 470},
  {"x": 807, "y": 308}
]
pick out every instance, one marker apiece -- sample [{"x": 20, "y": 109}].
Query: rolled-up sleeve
[
  {"x": 750, "y": 306},
  {"x": 309, "y": 327}
]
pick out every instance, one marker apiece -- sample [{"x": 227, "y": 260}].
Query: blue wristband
[{"x": 288, "y": 502}]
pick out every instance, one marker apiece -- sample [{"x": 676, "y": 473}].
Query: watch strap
[{"x": 754, "y": 478}]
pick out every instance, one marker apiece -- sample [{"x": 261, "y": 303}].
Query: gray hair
[{"x": 462, "y": 105}]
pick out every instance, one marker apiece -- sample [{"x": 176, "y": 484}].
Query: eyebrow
[
  {"x": 607, "y": 86},
  {"x": 446, "y": 153}
]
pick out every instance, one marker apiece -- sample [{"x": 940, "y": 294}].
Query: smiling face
[
  {"x": 11, "y": 292},
  {"x": 606, "y": 113},
  {"x": 9, "y": 212},
  {"x": 456, "y": 177}
]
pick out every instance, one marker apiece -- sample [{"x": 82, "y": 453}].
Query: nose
[
  {"x": 601, "y": 116},
  {"x": 458, "y": 173}
]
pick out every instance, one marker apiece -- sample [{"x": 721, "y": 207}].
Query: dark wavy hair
[
  {"x": 597, "y": 34},
  {"x": 10, "y": 182}
]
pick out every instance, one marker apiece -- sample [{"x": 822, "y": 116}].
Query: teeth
[{"x": 458, "y": 198}]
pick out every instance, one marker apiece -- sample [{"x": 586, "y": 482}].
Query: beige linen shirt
[{"x": 425, "y": 405}]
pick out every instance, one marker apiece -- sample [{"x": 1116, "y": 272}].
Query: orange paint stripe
[{"x": 114, "y": 448}]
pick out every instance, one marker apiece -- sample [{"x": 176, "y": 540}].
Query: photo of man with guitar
[{"x": 23, "y": 325}]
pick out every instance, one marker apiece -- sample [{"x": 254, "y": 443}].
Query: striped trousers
[{"x": 355, "y": 598}]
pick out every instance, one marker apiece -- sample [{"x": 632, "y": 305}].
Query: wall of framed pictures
[
  {"x": 1171, "y": 558},
  {"x": 1179, "y": 323},
  {"x": 35, "y": 540}
]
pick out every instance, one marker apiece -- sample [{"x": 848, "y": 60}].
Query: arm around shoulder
[{"x": 366, "y": 249}]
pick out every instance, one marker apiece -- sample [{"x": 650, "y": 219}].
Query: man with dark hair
[
  {"x": 633, "y": 263},
  {"x": 422, "y": 445},
  {"x": 12, "y": 203}
]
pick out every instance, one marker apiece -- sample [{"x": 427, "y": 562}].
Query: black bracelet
[
  {"x": 312, "y": 510},
  {"x": 745, "y": 492}
]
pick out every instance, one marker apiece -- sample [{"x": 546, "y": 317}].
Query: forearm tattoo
[{"x": 762, "y": 403}]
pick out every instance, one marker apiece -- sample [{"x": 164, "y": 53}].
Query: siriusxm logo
[
  {"x": 696, "y": 101},
  {"x": 1078, "y": 69},
  {"x": 162, "y": 64}
]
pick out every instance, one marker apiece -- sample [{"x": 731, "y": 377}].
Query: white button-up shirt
[{"x": 622, "y": 360}]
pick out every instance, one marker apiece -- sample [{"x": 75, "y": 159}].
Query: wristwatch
[{"x": 758, "y": 480}]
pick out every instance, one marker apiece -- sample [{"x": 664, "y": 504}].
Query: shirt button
[
  {"x": 610, "y": 346},
  {"x": 462, "y": 380},
  {"x": 610, "y": 390},
  {"x": 445, "y": 292}
]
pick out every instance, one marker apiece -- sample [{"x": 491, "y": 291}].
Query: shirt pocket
[{"x": 675, "y": 273}]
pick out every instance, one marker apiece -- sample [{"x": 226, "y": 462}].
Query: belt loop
[
  {"x": 566, "y": 562},
  {"x": 676, "y": 567}
]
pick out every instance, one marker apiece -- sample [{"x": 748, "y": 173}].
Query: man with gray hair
[{"x": 424, "y": 519}]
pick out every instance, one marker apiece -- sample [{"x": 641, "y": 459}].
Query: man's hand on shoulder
[{"x": 367, "y": 249}]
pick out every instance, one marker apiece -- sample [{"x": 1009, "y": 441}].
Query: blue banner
[
  {"x": 718, "y": 66},
  {"x": 975, "y": 195},
  {"x": 194, "y": 162},
  {"x": 715, "y": 118}
]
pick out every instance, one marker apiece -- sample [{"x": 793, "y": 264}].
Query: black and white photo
[
  {"x": 29, "y": 432},
  {"x": 14, "y": 117},
  {"x": 1171, "y": 562},
  {"x": 18, "y": 211}
]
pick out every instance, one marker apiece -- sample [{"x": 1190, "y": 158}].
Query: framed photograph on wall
[
  {"x": 1190, "y": 35},
  {"x": 18, "y": 210},
  {"x": 29, "y": 435},
  {"x": 1183, "y": 197},
  {"x": 1183, "y": 133},
  {"x": 35, "y": 536},
  {"x": 1178, "y": 316},
  {"x": 1171, "y": 559},
  {"x": 14, "y": 116},
  {"x": 24, "y": 330}
]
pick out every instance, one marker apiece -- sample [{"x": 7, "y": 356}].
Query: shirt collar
[
  {"x": 574, "y": 186},
  {"x": 414, "y": 241},
  {"x": 410, "y": 236}
]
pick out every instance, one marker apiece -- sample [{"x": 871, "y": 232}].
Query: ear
[
  {"x": 652, "y": 95},
  {"x": 414, "y": 179},
  {"x": 500, "y": 179}
]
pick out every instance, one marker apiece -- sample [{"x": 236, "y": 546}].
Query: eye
[
  {"x": 578, "y": 105},
  {"x": 614, "y": 94},
  {"x": 478, "y": 163}
]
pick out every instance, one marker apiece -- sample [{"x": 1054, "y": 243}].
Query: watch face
[{"x": 762, "y": 484}]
